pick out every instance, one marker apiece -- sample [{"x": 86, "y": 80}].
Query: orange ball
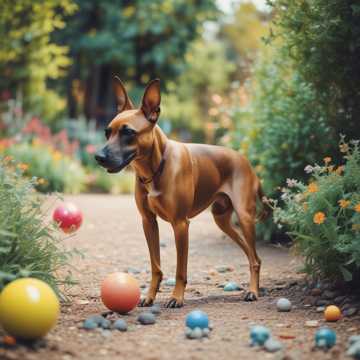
[
  {"x": 332, "y": 313},
  {"x": 120, "y": 292}
]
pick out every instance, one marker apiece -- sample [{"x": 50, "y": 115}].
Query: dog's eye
[
  {"x": 108, "y": 133},
  {"x": 126, "y": 131}
]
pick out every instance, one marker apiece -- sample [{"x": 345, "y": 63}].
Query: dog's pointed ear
[
  {"x": 122, "y": 98},
  {"x": 150, "y": 104}
]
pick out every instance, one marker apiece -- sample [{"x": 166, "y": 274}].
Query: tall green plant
[{"x": 29, "y": 245}]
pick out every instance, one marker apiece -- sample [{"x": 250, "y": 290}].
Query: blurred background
[{"x": 276, "y": 80}]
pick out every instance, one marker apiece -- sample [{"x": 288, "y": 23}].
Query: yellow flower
[
  {"x": 23, "y": 166},
  {"x": 356, "y": 227},
  {"x": 319, "y": 218},
  {"x": 344, "y": 147},
  {"x": 357, "y": 207},
  {"x": 41, "y": 181},
  {"x": 344, "y": 203},
  {"x": 340, "y": 169},
  {"x": 56, "y": 155},
  {"x": 312, "y": 187},
  {"x": 327, "y": 160}
]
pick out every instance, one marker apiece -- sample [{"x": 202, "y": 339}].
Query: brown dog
[{"x": 177, "y": 181}]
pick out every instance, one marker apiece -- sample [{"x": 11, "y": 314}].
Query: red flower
[{"x": 90, "y": 149}]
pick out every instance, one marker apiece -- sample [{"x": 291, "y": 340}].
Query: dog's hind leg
[{"x": 222, "y": 210}]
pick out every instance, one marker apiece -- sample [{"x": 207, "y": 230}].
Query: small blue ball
[
  {"x": 259, "y": 334},
  {"x": 197, "y": 318},
  {"x": 325, "y": 338}
]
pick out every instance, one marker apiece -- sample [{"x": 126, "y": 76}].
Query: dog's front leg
[
  {"x": 151, "y": 230},
  {"x": 181, "y": 230}
]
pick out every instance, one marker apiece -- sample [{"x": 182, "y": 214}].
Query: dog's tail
[{"x": 265, "y": 208}]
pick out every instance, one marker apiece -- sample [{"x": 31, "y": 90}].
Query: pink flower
[{"x": 90, "y": 149}]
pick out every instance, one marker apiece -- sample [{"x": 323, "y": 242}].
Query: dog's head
[{"x": 130, "y": 134}]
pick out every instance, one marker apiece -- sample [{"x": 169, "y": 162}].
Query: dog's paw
[
  {"x": 250, "y": 296},
  {"x": 145, "y": 302},
  {"x": 175, "y": 303}
]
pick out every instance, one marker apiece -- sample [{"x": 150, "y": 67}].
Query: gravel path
[{"x": 112, "y": 240}]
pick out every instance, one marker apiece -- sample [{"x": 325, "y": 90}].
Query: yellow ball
[
  {"x": 29, "y": 308},
  {"x": 332, "y": 313}
]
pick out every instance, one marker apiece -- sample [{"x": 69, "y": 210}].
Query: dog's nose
[{"x": 100, "y": 156}]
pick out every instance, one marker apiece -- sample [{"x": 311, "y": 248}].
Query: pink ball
[
  {"x": 120, "y": 292},
  {"x": 68, "y": 216}
]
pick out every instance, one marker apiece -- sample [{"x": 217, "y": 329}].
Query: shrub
[
  {"x": 323, "y": 217},
  {"x": 28, "y": 245},
  {"x": 55, "y": 170}
]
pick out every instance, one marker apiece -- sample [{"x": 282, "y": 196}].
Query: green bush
[
  {"x": 322, "y": 37},
  {"x": 29, "y": 246},
  {"x": 55, "y": 171},
  {"x": 323, "y": 217}
]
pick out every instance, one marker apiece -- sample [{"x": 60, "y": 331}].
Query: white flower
[
  {"x": 309, "y": 169},
  {"x": 291, "y": 182}
]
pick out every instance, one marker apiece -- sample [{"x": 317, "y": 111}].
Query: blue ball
[
  {"x": 259, "y": 334},
  {"x": 197, "y": 318},
  {"x": 325, "y": 338}
]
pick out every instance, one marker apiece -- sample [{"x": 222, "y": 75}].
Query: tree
[
  {"x": 28, "y": 57},
  {"x": 137, "y": 40}
]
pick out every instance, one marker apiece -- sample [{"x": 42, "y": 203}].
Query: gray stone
[
  {"x": 320, "y": 309},
  {"x": 120, "y": 325},
  {"x": 146, "y": 318},
  {"x": 106, "y": 333},
  {"x": 354, "y": 350},
  {"x": 96, "y": 318},
  {"x": 188, "y": 332},
  {"x": 353, "y": 339},
  {"x": 223, "y": 269},
  {"x": 283, "y": 305},
  {"x": 272, "y": 345},
  {"x": 105, "y": 324},
  {"x": 170, "y": 282},
  {"x": 196, "y": 333},
  {"x": 206, "y": 332},
  {"x": 89, "y": 324},
  {"x": 155, "y": 309}
]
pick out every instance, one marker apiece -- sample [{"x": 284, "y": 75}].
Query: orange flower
[
  {"x": 327, "y": 160},
  {"x": 8, "y": 158},
  {"x": 357, "y": 207},
  {"x": 344, "y": 203},
  {"x": 319, "y": 218},
  {"x": 312, "y": 187},
  {"x": 23, "y": 166}
]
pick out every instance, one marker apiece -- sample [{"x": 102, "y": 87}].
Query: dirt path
[{"x": 112, "y": 240}]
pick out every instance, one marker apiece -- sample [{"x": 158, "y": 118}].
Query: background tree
[
  {"x": 28, "y": 57},
  {"x": 138, "y": 40}
]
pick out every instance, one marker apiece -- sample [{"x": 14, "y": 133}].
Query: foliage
[
  {"x": 323, "y": 217},
  {"x": 28, "y": 57},
  {"x": 55, "y": 170},
  {"x": 189, "y": 100},
  {"x": 243, "y": 35},
  {"x": 147, "y": 38},
  {"x": 322, "y": 37},
  {"x": 28, "y": 245}
]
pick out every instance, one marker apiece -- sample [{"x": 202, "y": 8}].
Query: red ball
[
  {"x": 120, "y": 292},
  {"x": 68, "y": 216}
]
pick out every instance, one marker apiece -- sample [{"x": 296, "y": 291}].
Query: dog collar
[{"x": 157, "y": 173}]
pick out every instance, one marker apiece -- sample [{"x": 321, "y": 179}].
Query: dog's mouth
[{"x": 125, "y": 163}]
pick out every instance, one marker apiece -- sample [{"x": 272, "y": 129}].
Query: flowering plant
[{"x": 323, "y": 216}]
